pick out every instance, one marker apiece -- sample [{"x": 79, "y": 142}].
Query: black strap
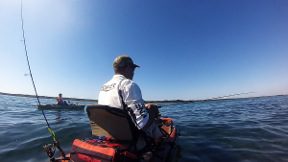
[
  {"x": 121, "y": 97},
  {"x": 125, "y": 106}
]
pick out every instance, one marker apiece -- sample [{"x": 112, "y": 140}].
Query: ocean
[{"x": 236, "y": 130}]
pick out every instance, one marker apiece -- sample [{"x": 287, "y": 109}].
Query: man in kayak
[
  {"x": 122, "y": 92},
  {"x": 60, "y": 100}
]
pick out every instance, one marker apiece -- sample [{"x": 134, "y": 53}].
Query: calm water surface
[{"x": 242, "y": 130}]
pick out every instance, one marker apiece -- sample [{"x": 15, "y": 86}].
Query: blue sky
[{"x": 188, "y": 49}]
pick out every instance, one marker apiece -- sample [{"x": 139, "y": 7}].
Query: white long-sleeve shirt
[{"x": 131, "y": 94}]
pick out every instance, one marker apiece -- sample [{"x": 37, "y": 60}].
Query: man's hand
[
  {"x": 153, "y": 110},
  {"x": 151, "y": 106}
]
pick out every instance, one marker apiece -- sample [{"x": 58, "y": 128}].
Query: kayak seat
[{"x": 111, "y": 122}]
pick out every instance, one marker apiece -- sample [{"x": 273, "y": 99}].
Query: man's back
[
  {"x": 109, "y": 92},
  {"x": 120, "y": 92}
]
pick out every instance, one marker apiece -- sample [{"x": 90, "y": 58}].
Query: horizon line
[{"x": 164, "y": 100}]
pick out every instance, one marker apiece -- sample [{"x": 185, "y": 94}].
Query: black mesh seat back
[{"x": 111, "y": 122}]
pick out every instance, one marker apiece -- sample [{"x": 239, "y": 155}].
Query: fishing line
[
  {"x": 184, "y": 102},
  {"x": 53, "y": 135},
  {"x": 231, "y": 95}
]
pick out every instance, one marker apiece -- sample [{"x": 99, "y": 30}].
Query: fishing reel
[{"x": 50, "y": 149}]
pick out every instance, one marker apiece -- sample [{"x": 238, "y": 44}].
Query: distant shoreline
[
  {"x": 153, "y": 101},
  {"x": 33, "y": 96},
  {"x": 79, "y": 99}
]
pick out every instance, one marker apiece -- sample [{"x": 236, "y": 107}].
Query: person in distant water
[
  {"x": 122, "y": 92},
  {"x": 60, "y": 100}
]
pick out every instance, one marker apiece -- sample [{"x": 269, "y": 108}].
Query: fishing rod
[
  {"x": 182, "y": 102},
  {"x": 231, "y": 95},
  {"x": 48, "y": 148}
]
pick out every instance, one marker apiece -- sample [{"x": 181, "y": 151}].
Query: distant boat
[{"x": 61, "y": 107}]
